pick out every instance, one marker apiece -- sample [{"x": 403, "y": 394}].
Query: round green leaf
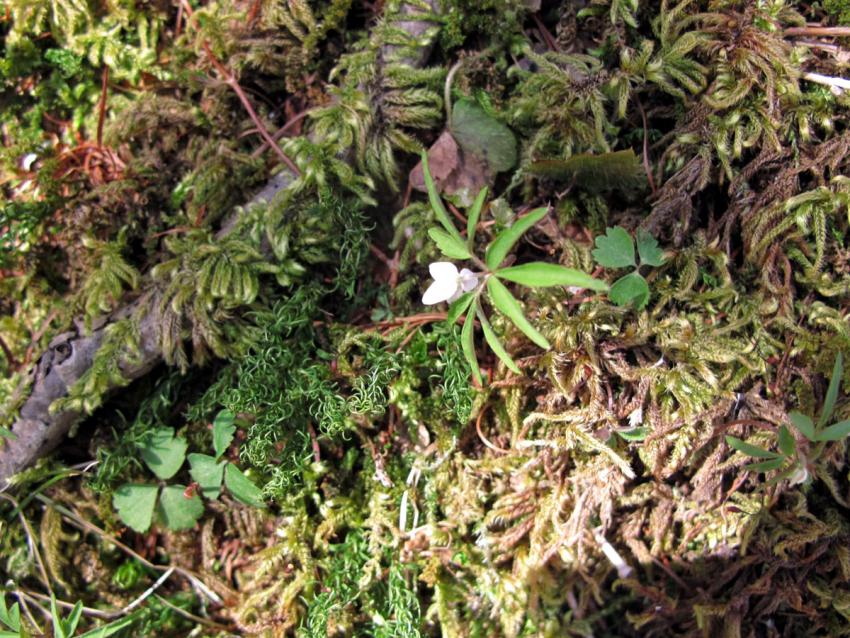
[
  {"x": 134, "y": 504},
  {"x": 223, "y": 430},
  {"x": 163, "y": 452},
  {"x": 176, "y": 511},
  {"x": 615, "y": 249},
  {"x": 630, "y": 290},
  {"x": 207, "y": 472}
]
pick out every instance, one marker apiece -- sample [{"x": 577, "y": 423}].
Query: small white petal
[
  {"x": 468, "y": 280},
  {"x": 443, "y": 270},
  {"x": 28, "y": 160},
  {"x": 636, "y": 417},
  {"x": 440, "y": 290}
]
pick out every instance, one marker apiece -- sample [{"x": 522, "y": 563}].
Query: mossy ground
[{"x": 594, "y": 494}]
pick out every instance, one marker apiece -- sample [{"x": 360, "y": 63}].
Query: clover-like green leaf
[
  {"x": 241, "y": 487},
  {"x": 539, "y": 274},
  {"x": 207, "y": 472},
  {"x": 507, "y": 304},
  {"x": 749, "y": 449},
  {"x": 448, "y": 244},
  {"x": 615, "y": 249},
  {"x": 135, "y": 505},
  {"x": 638, "y": 433},
  {"x": 648, "y": 249},
  {"x": 176, "y": 510},
  {"x": 163, "y": 452},
  {"x": 630, "y": 290},
  {"x": 224, "y": 428},
  {"x": 505, "y": 240},
  {"x": 496, "y": 345}
]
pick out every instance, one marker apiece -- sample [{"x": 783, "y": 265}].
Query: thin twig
[
  {"x": 819, "y": 31},
  {"x": 264, "y": 133},
  {"x": 30, "y": 541},
  {"x": 835, "y": 83},
  {"x": 101, "y": 107},
  {"x": 281, "y": 131}
]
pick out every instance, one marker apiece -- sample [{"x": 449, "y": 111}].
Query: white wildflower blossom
[{"x": 449, "y": 284}]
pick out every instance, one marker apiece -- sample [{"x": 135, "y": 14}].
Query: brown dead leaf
[{"x": 456, "y": 174}]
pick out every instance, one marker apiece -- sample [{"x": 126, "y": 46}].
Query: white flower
[
  {"x": 636, "y": 417},
  {"x": 449, "y": 284}
]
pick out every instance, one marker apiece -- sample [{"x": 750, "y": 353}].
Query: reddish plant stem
[{"x": 231, "y": 81}]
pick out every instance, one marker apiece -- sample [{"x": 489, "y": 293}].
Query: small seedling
[
  {"x": 179, "y": 507},
  {"x": 790, "y": 457},
  {"x": 616, "y": 249},
  {"x": 464, "y": 288}
]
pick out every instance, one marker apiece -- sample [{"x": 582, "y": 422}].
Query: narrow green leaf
[
  {"x": 615, "y": 249},
  {"x": 448, "y": 245},
  {"x": 634, "y": 434},
  {"x": 537, "y": 274},
  {"x": 207, "y": 472},
  {"x": 458, "y": 307},
  {"x": 787, "y": 444},
  {"x": 648, "y": 250},
  {"x": 804, "y": 424},
  {"x": 784, "y": 474},
  {"x": 104, "y": 631},
  {"x": 223, "y": 430},
  {"x": 58, "y": 625},
  {"x": 765, "y": 466},
  {"x": 6, "y": 433},
  {"x": 467, "y": 342},
  {"x": 241, "y": 487},
  {"x": 835, "y": 432},
  {"x": 832, "y": 391},
  {"x": 163, "y": 452},
  {"x": 496, "y": 345},
  {"x": 176, "y": 511},
  {"x": 630, "y": 290},
  {"x": 11, "y": 617},
  {"x": 505, "y": 240},
  {"x": 437, "y": 202},
  {"x": 750, "y": 450},
  {"x": 507, "y": 304},
  {"x": 473, "y": 216},
  {"x": 135, "y": 505}
]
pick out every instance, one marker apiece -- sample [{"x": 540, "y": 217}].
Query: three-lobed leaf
[
  {"x": 505, "y": 240},
  {"x": 163, "y": 452},
  {"x": 135, "y": 505},
  {"x": 539, "y": 274},
  {"x": 615, "y": 249},
  {"x": 507, "y": 304},
  {"x": 648, "y": 250},
  {"x": 224, "y": 427}
]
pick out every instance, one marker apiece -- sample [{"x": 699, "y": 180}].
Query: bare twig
[
  {"x": 819, "y": 31},
  {"x": 261, "y": 128}
]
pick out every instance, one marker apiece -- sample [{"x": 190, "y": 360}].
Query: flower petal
[
  {"x": 443, "y": 270},
  {"x": 440, "y": 290},
  {"x": 468, "y": 280}
]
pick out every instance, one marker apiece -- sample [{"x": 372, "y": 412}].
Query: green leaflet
[
  {"x": 615, "y": 249},
  {"x": 507, "y": 304},
  {"x": 241, "y": 487},
  {"x": 804, "y": 424},
  {"x": 176, "y": 511},
  {"x": 448, "y": 244},
  {"x": 223, "y": 430},
  {"x": 473, "y": 216},
  {"x": 832, "y": 391},
  {"x": 135, "y": 505},
  {"x": 437, "y": 203},
  {"x": 630, "y": 289},
  {"x": 749, "y": 449},
  {"x": 468, "y": 343},
  {"x": 459, "y": 306},
  {"x": 505, "y": 240},
  {"x": 540, "y": 274}
]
